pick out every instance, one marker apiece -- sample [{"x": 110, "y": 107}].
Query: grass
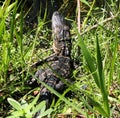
[{"x": 97, "y": 79}]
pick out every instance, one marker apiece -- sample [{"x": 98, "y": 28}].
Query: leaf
[
  {"x": 4, "y": 7},
  {"x": 24, "y": 103},
  {"x": 102, "y": 78},
  {"x": 12, "y": 27},
  {"x": 98, "y": 106},
  {"x": 2, "y": 28},
  {"x": 85, "y": 2},
  {"x": 1, "y": 12},
  {"x": 38, "y": 107},
  {"x": 48, "y": 111},
  {"x": 111, "y": 75},
  {"x": 14, "y": 103},
  {"x": 43, "y": 109},
  {"x": 88, "y": 58},
  {"x": 28, "y": 108},
  {"x": 17, "y": 113},
  {"x": 10, "y": 7}
]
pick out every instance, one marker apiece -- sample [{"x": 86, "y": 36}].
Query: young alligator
[{"x": 61, "y": 66}]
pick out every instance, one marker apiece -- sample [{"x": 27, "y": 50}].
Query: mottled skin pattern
[
  {"x": 61, "y": 67},
  {"x": 58, "y": 68},
  {"x": 61, "y": 35}
]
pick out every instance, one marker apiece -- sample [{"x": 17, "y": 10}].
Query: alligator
[{"x": 60, "y": 65}]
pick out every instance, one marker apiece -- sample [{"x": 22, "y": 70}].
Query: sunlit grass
[{"x": 99, "y": 70}]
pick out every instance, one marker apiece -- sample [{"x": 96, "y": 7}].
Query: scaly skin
[
  {"x": 61, "y": 67},
  {"x": 61, "y": 35}
]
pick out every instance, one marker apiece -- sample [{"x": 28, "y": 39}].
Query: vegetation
[{"x": 96, "y": 90}]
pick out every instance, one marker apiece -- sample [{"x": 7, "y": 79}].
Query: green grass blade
[
  {"x": 10, "y": 7},
  {"x": 89, "y": 60},
  {"x": 5, "y": 6},
  {"x": 85, "y": 2},
  {"x": 12, "y": 27},
  {"x": 114, "y": 57},
  {"x": 2, "y": 28},
  {"x": 88, "y": 14},
  {"x": 102, "y": 79},
  {"x": 100, "y": 67},
  {"x": 21, "y": 33},
  {"x": 5, "y": 37},
  {"x": 32, "y": 104},
  {"x": 98, "y": 107}
]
